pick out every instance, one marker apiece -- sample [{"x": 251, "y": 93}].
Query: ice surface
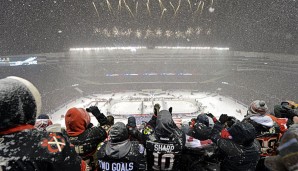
[{"x": 186, "y": 105}]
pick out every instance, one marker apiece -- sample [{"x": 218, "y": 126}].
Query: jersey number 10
[{"x": 163, "y": 161}]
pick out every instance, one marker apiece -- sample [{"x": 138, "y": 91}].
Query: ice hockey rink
[
  {"x": 192, "y": 81},
  {"x": 128, "y": 81},
  {"x": 186, "y": 105}
]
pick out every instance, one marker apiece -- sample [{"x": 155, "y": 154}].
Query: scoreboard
[{"x": 18, "y": 61}]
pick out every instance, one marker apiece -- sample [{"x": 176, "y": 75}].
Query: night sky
[{"x": 35, "y": 26}]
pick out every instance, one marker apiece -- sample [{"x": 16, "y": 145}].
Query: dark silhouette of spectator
[
  {"x": 287, "y": 158},
  {"x": 267, "y": 130},
  {"x": 202, "y": 128},
  {"x": 152, "y": 121},
  {"x": 168, "y": 145},
  {"x": 239, "y": 152},
  {"x": 22, "y": 146},
  {"x": 133, "y": 132},
  {"x": 287, "y": 110},
  {"x": 119, "y": 153},
  {"x": 82, "y": 134},
  {"x": 203, "y": 157},
  {"x": 110, "y": 122},
  {"x": 166, "y": 142}
]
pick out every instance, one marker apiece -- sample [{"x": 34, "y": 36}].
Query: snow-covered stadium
[
  {"x": 127, "y": 81},
  {"x": 129, "y": 85}
]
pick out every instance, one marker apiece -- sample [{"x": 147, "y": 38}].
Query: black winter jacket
[
  {"x": 241, "y": 152},
  {"x": 30, "y": 149},
  {"x": 125, "y": 155}
]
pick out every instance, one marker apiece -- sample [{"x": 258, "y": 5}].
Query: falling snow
[{"x": 124, "y": 22}]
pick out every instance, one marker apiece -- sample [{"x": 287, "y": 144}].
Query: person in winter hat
[
  {"x": 42, "y": 122},
  {"x": 82, "y": 134},
  {"x": 119, "y": 153},
  {"x": 287, "y": 109},
  {"x": 202, "y": 128},
  {"x": 256, "y": 115},
  {"x": 185, "y": 127},
  {"x": 134, "y": 133},
  {"x": 203, "y": 157},
  {"x": 257, "y": 107},
  {"x": 267, "y": 130},
  {"x": 167, "y": 139},
  {"x": 239, "y": 152},
  {"x": 287, "y": 158},
  {"x": 22, "y": 146}
]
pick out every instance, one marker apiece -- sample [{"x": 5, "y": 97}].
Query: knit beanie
[
  {"x": 20, "y": 102},
  {"x": 257, "y": 107}
]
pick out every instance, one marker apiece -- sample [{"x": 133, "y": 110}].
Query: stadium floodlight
[
  {"x": 131, "y": 48},
  {"x": 192, "y": 48},
  {"x": 135, "y": 48}
]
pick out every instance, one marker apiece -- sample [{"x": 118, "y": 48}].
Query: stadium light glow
[
  {"x": 193, "y": 48},
  {"x": 134, "y": 49}
]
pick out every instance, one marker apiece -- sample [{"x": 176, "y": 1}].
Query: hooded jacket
[
  {"x": 167, "y": 141},
  {"x": 119, "y": 152},
  {"x": 166, "y": 127},
  {"x": 241, "y": 152},
  {"x": 82, "y": 135}
]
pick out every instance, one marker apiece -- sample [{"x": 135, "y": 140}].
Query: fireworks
[
  {"x": 148, "y": 7},
  {"x": 109, "y": 6},
  {"x": 133, "y": 7},
  {"x": 129, "y": 10},
  {"x": 95, "y": 9},
  {"x": 152, "y": 33}
]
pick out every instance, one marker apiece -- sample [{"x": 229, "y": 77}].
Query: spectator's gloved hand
[
  {"x": 101, "y": 118},
  {"x": 90, "y": 125},
  {"x": 223, "y": 118},
  {"x": 156, "y": 109},
  {"x": 134, "y": 132},
  {"x": 170, "y": 110},
  {"x": 147, "y": 130},
  {"x": 155, "y": 112},
  {"x": 231, "y": 120},
  {"x": 131, "y": 122},
  {"x": 212, "y": 116}
]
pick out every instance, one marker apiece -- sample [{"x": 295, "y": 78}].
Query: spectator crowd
[{"x": 29, "y": 140}]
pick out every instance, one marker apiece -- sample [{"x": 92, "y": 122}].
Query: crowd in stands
[
  {"x": 243, "y": 86},
  {"x": 30, "y": 141}
]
